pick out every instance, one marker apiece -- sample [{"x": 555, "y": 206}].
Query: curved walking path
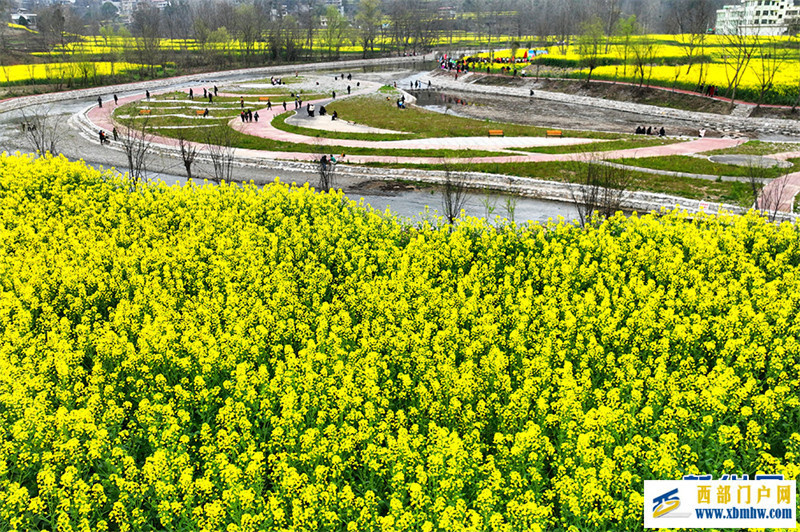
[
  {"x": 100, "y": 117},
  {"x": 783, "y": 190}
]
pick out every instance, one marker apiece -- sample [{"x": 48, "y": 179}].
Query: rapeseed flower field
[
  {"x": 62, "y": 70},
  {"x": 773, "y": 66},
  {"x": 235, "y": 358}
]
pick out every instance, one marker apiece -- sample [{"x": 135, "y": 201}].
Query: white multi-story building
[{"x": 757, "y": 17}]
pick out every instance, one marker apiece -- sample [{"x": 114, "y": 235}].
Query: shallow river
[{"x": 411, "y": 204}]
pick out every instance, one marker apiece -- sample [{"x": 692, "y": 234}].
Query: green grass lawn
[
  {"x": 279, "y": 122},
  {"x": 697, "y": 165},
  {"x": 621, "y": 144},
  {"x": 240, "y": 140},
  {"x": 757, "y": 147},
  {"x": 376, "y": 110}
]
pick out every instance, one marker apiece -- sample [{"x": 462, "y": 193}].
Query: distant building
[
  {"x": 757, "y": 17},
  {"x": 24, "y": 19},
  {"x": 338, "y": 4}
]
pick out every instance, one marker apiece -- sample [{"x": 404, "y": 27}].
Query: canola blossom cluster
[{"x": 234, "y": 358}]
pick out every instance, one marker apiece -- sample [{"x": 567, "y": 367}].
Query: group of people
[
  {"x": 651, "y": 130},
  {"x": 277, "y": 81},
  {"x": 104, "y": 137},
  {"x": 248, "y": 115},
  {"x": 207, "y": 93},
  {"x": 329, "y": 159}
]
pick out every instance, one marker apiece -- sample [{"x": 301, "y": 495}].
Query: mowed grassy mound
[{"x": 235, "y": 358}]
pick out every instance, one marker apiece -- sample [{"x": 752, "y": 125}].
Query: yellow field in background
[{"x": 55, "y": 71}]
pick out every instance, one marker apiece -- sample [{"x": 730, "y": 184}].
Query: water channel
[{"x": 415, "y": 204}]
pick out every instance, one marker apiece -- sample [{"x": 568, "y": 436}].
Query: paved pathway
[
  {"x": 725, "y": 124},
  {"x": 101, "y": 118}
]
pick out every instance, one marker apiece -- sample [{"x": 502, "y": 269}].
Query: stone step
[{"x": 742, "y": 110}]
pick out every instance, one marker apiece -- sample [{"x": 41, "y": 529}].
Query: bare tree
[
  {"x": 737, "y": 50},
  {"x": 454, "y": 192},
  {"x": 41, "y": 129},
  {"x": 767, "y": 194},
  {"x": 771, "y": 198},
  {"x": 188, "y": 152},
  {"x": 608, "y": 11},
  {"x": 368, "y": 19},
  {"x": 590, "y": 44},
  {"x": 644, "y": 51},
  {"x": 626, "y": 29},
  {"x": 772, "y": 53},
  {"x": 136, "y": 143},
  {"x": 334, "y": 33},
  {"x": 601, "y": 189},
  {"x": 146, "y": 27},
  {"x": 219, "y": 142}
]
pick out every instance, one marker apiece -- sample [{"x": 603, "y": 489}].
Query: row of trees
[
  {"x": 301, "y": 26},
  {"x": 761, "y": 56}
]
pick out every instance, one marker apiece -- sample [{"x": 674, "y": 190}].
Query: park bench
[
  {"x": 496, "y": 133},
  {"x": 200, "y": 111},
  {"x": 144, "y": 111},
  {"x": 554, "y": 133},
  {"x": 263, "y": 98}
]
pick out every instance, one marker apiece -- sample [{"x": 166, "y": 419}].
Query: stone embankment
[{"x": 737, "y": 123}]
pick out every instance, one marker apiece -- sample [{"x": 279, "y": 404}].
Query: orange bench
[
  {"x": 554, "y": 133},
  {"x": 496, "y": 133},
  {"x": 144, "y": 111},
  {"x": 200, "y": 111},
  {"x": 263, "y": 98}
]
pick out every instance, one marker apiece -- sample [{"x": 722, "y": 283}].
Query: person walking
[
  {"x": 102, "y": 136},
  {"x": 241, "y": 101},
  {"x": 99, "y": 101},
  {"x": 210, "y": 98},
  {"x": 147, "y": 94},
  {"x": 348, "y": 89},
  {"x": 191, "y": 94},
  {"x": 205, "y": 113},
  {"x": 256, "y": 116},
  {"x": 215, "y": 90},
  {"x": 334, "y": 94},
  {"x": 269, "y": 105},
  {"x": 114, "y": 132},
  {"x": 284, "y": 105},
  {"x": 116, "y": 100}
]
